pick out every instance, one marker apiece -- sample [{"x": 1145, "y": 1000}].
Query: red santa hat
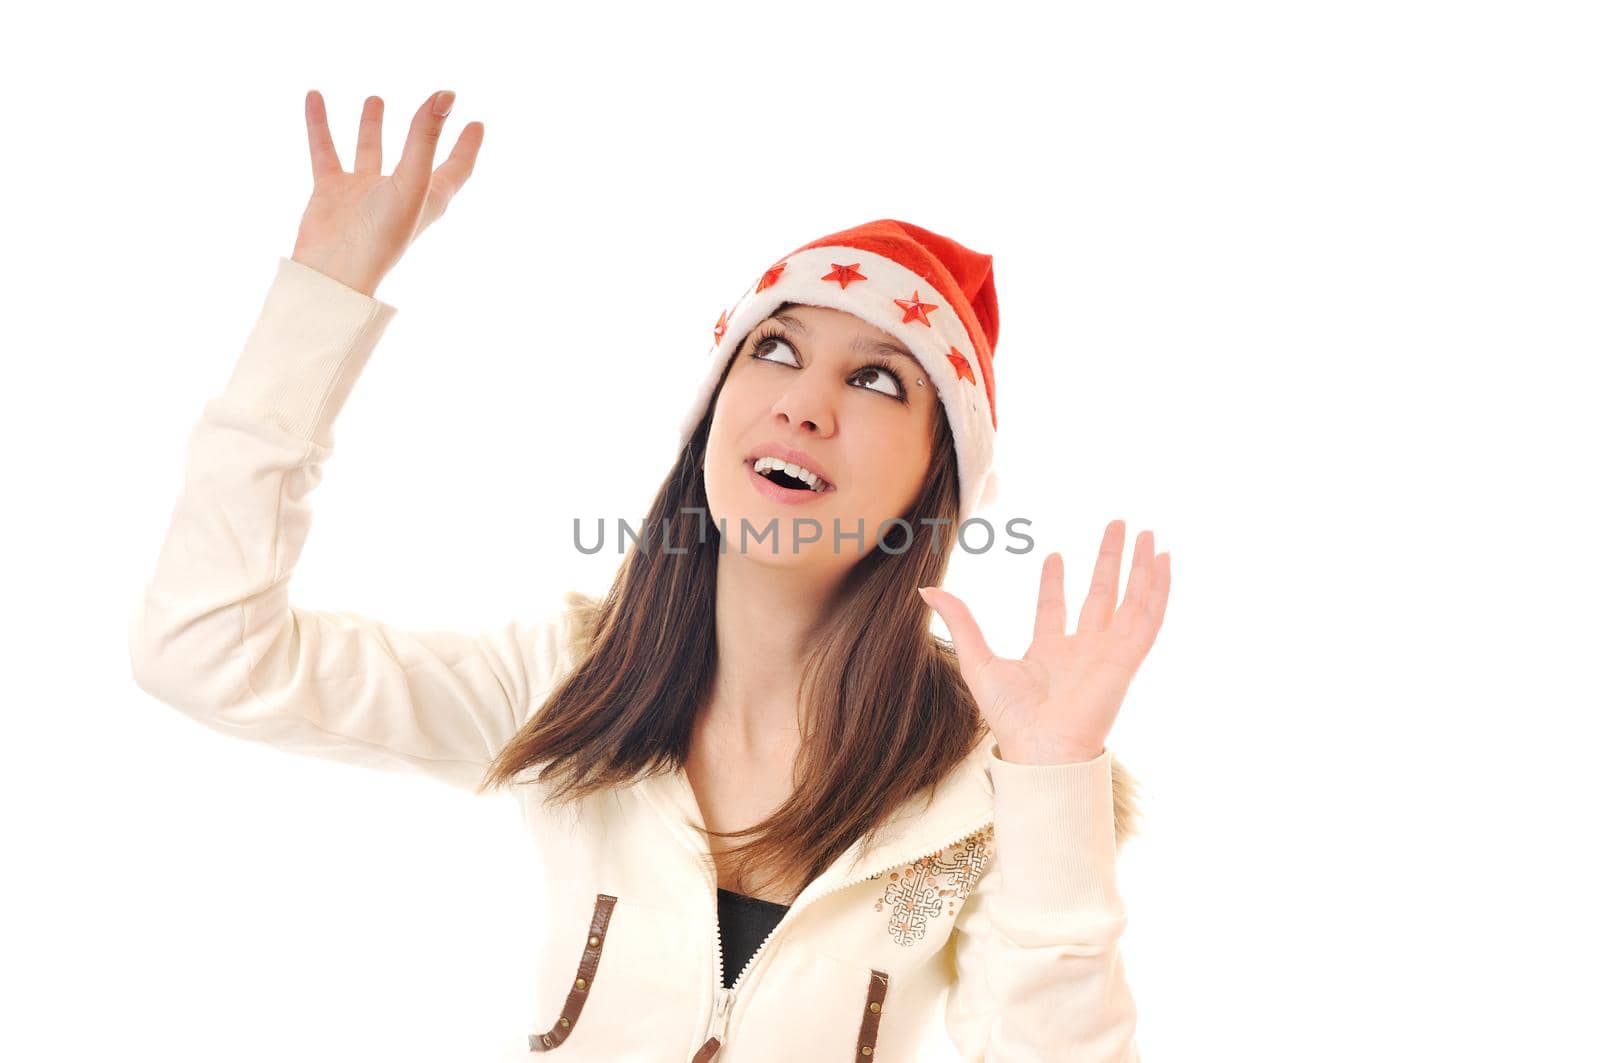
[{"x": 928, "y": 291}]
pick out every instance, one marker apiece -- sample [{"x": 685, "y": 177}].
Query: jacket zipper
[
  {"x": 722, "y": 1004},
  {"x": 718, "y": 1025}
]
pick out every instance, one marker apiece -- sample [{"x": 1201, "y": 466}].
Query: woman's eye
[
  {"x": 879, "y": 378},
  {"x": 771, "y": 341},
  {"x": 872, "y": 375}
]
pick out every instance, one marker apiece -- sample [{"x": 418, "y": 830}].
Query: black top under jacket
[{"x": 746, "y": 922}]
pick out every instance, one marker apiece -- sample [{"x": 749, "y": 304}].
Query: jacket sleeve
[
  {"x": 1038, "y": 975},
  {"x": 214, "y": 633}
]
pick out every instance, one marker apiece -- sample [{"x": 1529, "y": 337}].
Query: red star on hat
[
  {"x": 916, "y": 309},
  {"x": 770, "y": 277},
  {"x": 963, "y": 370},
  {"x": 845, "y": 274},
  {"x": 722, "y": 326}
]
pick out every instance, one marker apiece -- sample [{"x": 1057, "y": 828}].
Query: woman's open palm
[
  {"x": 359, "y": 222},
  {"x": 1057, "y": 703}
]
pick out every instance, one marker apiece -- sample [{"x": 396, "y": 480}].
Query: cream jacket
[{"x": 988, "y": 914}]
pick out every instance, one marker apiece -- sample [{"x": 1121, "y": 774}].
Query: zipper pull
[{"x": 719, "y": 1022}]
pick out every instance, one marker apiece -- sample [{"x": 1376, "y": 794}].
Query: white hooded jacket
[{"x": 997, "y": 895}]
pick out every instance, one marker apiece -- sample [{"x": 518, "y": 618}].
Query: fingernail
[{"x": 443, "y": 102}]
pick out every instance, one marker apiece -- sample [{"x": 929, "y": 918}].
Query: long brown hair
[{"x": 884, "y": 710}]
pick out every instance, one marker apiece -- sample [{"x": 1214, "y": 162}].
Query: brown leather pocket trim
[
  {"x": 871, "y": 1012},
  {"x": 579, "y": 993}
]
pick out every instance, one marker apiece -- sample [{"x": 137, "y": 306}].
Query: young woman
[{"x": 782, "y": 819}]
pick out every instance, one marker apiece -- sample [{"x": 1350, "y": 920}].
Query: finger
[
  {"x": 1145, "y": 624},
  {"x": 454, "y": 171},
  {"x": 415, "y": 168},
  {"x": 1160, "y": 584},
  {"x": 971, "y": 649},
  {"x": 1050, "y": 620},
  {"x": 1102, "y": 597},
  {"x": 369, "y": 141},
  {"x": 324, "y": 156},
  {"x": 1133, "y": 602}
]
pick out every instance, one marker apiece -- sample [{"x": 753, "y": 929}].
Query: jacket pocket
[
  {"x": 871, "y": 1013},
  {"x": 583, "y": 983}
]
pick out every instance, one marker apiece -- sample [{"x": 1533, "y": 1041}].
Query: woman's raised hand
[
  {"x": 360, "y": 222},
  {"x": 1056, "y": 704}
]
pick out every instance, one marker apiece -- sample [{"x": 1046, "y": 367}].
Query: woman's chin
[
  {"x": 760, "y": 528},
  {"x": 795, "y": 541}
]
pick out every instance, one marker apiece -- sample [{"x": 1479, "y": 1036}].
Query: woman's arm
[
  {"x": 215, "y": 634},
  {"x": 1038, "y": 972}
]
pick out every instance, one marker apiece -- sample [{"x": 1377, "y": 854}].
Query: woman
[{"x": 782, "y": 818}]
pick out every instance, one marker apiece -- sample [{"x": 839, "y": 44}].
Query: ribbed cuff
[
  {"x": 1055, "y": 829},
  {"x": 306, "y": 350}
]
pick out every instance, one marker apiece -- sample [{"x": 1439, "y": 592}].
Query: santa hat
[{"x": 931, "y": 293}]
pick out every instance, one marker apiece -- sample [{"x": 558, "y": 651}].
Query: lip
[{"x": 773, "y": 449}]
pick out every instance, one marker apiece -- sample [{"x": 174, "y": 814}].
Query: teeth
[{"x": 799, "y": 472}]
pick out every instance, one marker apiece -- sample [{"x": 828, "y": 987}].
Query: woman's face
[{"x": 803, "y": 387}]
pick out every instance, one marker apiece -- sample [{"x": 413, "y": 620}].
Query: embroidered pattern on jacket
[{"x": 921, "y": 891}]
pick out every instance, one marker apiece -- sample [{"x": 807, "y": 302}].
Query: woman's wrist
[
  {"x": 1045, "y": 755},
  {"x": 340, "y": 268}
]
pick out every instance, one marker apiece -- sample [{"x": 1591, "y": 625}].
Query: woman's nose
[{"x": 806, "y": 406}]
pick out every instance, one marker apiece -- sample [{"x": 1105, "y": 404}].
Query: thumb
[{"x": 971, "y": 649}]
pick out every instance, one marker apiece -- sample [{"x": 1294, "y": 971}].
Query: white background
[{"x": 1308, "y": 290}]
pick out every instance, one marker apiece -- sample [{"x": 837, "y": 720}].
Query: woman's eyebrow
[{"x": 862, "y": 345}]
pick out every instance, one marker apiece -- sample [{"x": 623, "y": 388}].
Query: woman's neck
[{"x": 765, "y": 615}]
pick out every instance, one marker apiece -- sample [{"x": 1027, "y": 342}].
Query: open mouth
[
  {"x": 790, "y": 477},
  {"x": 783, "y": 479}
]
